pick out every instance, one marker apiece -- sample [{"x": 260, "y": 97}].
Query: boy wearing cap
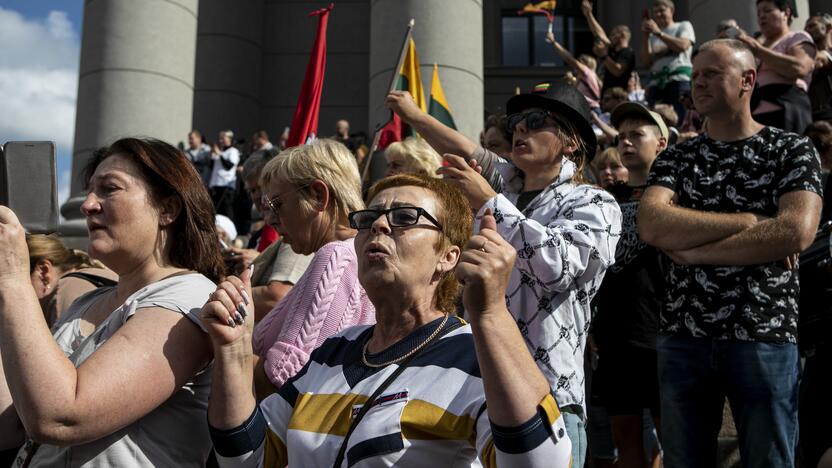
[
  {"x": 563, "y": 228},
  {"x": 627, "y": 314}
]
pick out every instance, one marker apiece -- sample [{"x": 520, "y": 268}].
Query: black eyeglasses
[
  {"x": 274, "y": 203},
  {"x": 399, "y": 216},
  {"x": 535, "y": 120}
]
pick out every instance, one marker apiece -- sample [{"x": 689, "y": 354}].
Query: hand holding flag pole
[{"x": 546, "y": 8}]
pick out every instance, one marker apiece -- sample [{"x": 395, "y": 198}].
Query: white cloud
[
  {"x": 38, "y": 43},
  {"x": 39, "y": 82}
]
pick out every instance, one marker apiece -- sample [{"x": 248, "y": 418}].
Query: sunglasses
[
  {"x": 535, "y": 120},
  {"x": 274, "y": 203},
  {"x": 400, "y": 216}
]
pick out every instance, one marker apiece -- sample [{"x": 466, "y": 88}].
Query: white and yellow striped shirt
[{"x": 434, "y": 413}]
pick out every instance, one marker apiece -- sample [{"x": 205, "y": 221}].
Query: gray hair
[
  {"x": 254, "y": 165},
  {"x": 227, "y": 133}
]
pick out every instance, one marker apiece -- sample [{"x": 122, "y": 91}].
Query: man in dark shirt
[
  {"x": 613, "y": 51},
  {"x": 731, "y": 208},
  {"x": 629, "y": 300}
]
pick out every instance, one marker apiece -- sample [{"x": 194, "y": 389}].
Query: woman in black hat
[{"x": 564, "y": 230}]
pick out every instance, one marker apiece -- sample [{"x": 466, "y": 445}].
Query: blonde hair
[
  {"x": 416, "y": 155},
  {"x": 609, "y": 155},
  {"x": 325, "y": 160},
  {"x": 49, "y": 247},
  {"x": 589, "y": 61}
]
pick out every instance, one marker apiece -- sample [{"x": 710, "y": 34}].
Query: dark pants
[
  {"x": 816, "y": 406},
  {"x": 223, "y": 198},
  {"x": 670, "y": 94},
  {"x": 760, "y": 381}
]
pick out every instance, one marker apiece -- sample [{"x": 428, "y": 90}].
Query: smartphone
[
  {"x": 29, "y": 184},
  {"x": 732, "y": 33},
  {"x": 645, "y": 14}
]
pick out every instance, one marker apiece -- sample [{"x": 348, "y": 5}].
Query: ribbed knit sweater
[{"x": 326, "y": 299}]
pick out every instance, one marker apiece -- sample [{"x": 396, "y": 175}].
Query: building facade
[{"x": 163, "y": 67}]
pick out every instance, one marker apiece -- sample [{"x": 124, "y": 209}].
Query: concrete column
[
  {"x": 228, "y": 67},
  {"x": 447, "y": 33},
  {"x": 706, "y": 15},
  {"x": 136, "y": 77},
  {"x": 287, "y": 43}
]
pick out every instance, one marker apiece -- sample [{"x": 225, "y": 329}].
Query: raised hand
[
  {"x": 14, "y": 253},
  {"x": 484, "y": 268},
  {"x": 402, "y": 103},
  {"x": 586, "y": 7},
  {"x": 229, "y": 313},
  {"x": 468, "y": 179}
]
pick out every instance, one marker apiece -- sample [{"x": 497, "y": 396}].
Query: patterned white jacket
[{"x": 565, "y": 240}]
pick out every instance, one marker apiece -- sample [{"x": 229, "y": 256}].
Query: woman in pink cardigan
[{"x": 310, "y": 189}]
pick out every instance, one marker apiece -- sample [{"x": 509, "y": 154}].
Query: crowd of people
[{"x": 586, "y": 285}]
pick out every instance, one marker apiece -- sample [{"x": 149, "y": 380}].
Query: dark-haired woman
[
  {"x": 124, "y": 381},
  {"x": 563, "y": 229}
]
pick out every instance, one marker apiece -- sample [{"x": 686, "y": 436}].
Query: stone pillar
[
  {"x": 136, "y": 77},
  {"x": 287, "y": 43},
  {"x": 228, "y": 67},
  {"x": 447, "y": 33},
  {"x": 706, "y": 15}
]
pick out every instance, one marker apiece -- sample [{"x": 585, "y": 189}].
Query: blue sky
[{"x": 39, "y": 74}]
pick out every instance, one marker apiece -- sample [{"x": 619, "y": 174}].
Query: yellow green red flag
[
  {"x": 438, "y": 106},
  {"x": 410, "y": 79}
]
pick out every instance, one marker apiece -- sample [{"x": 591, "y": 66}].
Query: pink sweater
[{"x": 325, "y": 300}]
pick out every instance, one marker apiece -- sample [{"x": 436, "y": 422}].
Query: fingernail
[
  {"x": 231, "y": 323},
  {"x": 242, "y": 309},
  {"x": 245, "y": 297},
  {"x": 239, "y": 318}
]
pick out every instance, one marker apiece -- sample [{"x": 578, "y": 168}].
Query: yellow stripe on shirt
[
  {"x": 426, "y": 421},
  {"x": 324, "y": 413}
]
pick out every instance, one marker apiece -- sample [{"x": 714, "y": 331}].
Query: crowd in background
[{"x": 605, "y": 267}]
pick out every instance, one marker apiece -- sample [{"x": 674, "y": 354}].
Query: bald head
[{"x": 735, "y": 53}]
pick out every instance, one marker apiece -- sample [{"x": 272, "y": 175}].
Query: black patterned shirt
[{"x": 750, "y": 303}]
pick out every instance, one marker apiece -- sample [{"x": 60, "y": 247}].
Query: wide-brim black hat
[{"x": 565, "y": 101}]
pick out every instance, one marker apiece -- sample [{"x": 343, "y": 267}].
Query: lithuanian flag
[
  {"x": 410, "y": 79},
  {"x": 438, "y": 107}
]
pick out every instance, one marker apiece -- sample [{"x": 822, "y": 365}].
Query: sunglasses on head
[
  {"x": 399, "y": 216},
  {"x": 535, "y": 120}
]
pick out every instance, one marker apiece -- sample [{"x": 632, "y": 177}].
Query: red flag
[
  {"x": 391, "y": 132},
  {"x": 305, "y": 120}
]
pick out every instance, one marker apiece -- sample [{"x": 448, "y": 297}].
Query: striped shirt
[{"x": 434, "y": 413}]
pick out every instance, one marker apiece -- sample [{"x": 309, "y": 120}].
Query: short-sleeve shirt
[
  {"x": 767, "y": 75},
  {"x": 666, "y": 59},
  {"x": 173, "y": 434},
  {"x": 625, "y": 57},
  {"x": 751, "y": 303},
  {"x": 630, "y": 298},
  {"x": 279, "y": 263}
]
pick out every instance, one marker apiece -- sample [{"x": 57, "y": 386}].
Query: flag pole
[{"x": 393, "y": 79}]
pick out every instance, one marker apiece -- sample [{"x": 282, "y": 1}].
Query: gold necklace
[{"x": 408, "y": 354}]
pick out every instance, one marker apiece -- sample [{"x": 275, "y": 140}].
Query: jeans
[
  {"x": 760, "y": 381},
  {"x": 576, "y": 429},
  {"x": 670, "y": 94}
]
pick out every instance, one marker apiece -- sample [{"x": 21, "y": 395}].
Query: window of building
[{"x": 524, "y": 38}]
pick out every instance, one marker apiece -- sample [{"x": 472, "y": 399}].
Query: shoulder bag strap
[{"x": 369, "y": 403}]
